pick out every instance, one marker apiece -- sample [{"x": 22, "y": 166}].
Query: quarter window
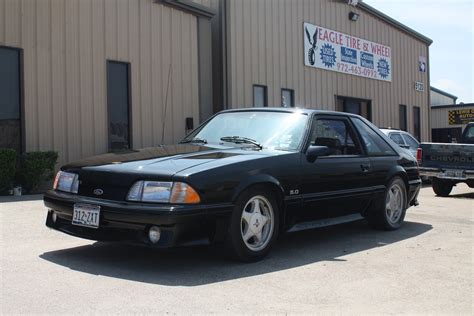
[
  {"x": 397, "y": 138},
  {"x": 413, "y": 143},
  {"x": 337, "y": 135},
  {"x": 374, "y": 143}
]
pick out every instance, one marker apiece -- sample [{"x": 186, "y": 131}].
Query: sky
[{"x": 449, "y": 23}]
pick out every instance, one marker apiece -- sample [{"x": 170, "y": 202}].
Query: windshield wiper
[
  {"x": 241, "y": 140},
  {"x": 194, "y": 140}
]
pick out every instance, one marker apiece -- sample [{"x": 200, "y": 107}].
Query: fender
[
  {"x": 257, "y": 179},
  {"x": 397, "y": 170}
]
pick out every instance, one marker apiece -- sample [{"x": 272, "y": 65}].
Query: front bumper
[{"x": 125, "y": 221}]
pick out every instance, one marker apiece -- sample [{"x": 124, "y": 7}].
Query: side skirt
[{"x": 325, "y": 222}]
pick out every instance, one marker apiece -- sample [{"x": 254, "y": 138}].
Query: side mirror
[{"x": 314, "y": 152}]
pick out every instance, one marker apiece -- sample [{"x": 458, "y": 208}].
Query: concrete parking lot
[{"x": 426, "y": 267}]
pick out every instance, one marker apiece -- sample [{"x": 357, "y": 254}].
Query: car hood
[{"x": 163, "y": 161}]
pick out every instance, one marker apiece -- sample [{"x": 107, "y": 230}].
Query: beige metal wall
[
  {"x": 66, "y": 45},
  {"x": 440, "y": 116},
  {"x": 265, "y": 46}
]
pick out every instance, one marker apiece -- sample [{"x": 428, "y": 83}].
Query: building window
[
  {"x": 10, "y": 99},
  {"x": 287, "y": 98},
  {"x": 355, "y": 106},
  {"x": 260, "y": 96},
  {"x": 416, "y": 123},
  {"x": 118, "y": 105},
  {"x": 402, "y": 112}
]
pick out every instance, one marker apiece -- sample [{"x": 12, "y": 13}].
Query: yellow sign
[{"x": 461, "y": 117}]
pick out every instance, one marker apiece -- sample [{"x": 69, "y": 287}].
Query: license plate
[
  {"x": 86, "y": 215},
  {"x": 454, "y": 174}
]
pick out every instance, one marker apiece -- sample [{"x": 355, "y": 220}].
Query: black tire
[
  {"x": 441, "y": 187},
  {"x": 312, "y": 56},
  {"x": 237, "y": 247},
  {"x": 381, "y": 217}
]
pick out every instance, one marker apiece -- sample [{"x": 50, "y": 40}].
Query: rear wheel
[
  {"x": 254, "y": 225},
  {"x": 441, "y": 187},
  {"x": 391, "y": 214}
]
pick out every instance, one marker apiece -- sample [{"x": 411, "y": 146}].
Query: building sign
[
  {"x": 461, "y": 117},
  {"x": 332, "y": 50},
  {"x": 419, "y": 86},
  {"x": 422, "y": 64}
]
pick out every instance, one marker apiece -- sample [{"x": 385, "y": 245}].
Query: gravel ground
[{"x": 425, "y": 267}]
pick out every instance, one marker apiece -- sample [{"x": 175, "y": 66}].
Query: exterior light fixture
[{"x": 353, "y": 16}]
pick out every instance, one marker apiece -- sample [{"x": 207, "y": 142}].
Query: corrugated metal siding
[
  {"x": 440, "y": 116},
  {"x": 440, "y": 99},
  {"x": 66, "y": 45},
  {"x": 265, "y": 46}
]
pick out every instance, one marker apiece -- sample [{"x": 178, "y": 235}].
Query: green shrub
[
  {"x": 37, "y": 167},
  {"x": 7, "y": 168}
]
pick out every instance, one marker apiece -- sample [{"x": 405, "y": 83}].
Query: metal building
[
  {"x": 440, "y": 97},
  {"x": 84, "y": 77},
  {"x": 448, "y": 121}
]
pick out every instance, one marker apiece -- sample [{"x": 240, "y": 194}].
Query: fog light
[
  {"x": 54, "y": 217},
  {"x": 154, "y": 234}
]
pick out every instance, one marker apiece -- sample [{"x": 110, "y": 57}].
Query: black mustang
[{"x": 242, "y": 178}]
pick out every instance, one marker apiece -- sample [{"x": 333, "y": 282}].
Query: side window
[
  {"x": 411, "y": 141},
  {"x": 397, "y": 138},
  {"x": 374, "y": 143},
  {"x": 335, "y": 134}
]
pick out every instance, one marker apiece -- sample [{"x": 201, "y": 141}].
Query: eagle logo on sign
[{"x": 313, "y": 41}]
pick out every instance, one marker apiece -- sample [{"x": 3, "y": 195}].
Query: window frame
[
  {"x": 356, "y": 138},
  {"x": 399, "y": 134},
  {"x": 265, "y": 95},
  {"x": 292, "y": 94},
  {"x": 405, "y": 117},
  {"x": 21, "y": 73},
  {"x": 129, "y": 101},
  {"x": 417, "y": 132}
]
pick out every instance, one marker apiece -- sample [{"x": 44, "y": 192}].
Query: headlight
[
  {"x": 163, "y": 192},
  {"x": 67, "y": 182}
]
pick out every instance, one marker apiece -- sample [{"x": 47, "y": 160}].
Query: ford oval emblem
[{"x": 98, "y": 191}]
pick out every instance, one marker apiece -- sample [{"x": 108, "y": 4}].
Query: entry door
[
  {"x": 10, "y": 112},
  {"x": 339, "y": 184}
]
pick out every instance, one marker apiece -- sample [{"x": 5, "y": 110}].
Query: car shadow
[
  {"x": 199, "y": 265},
  {"x": 469, "y": 195}
]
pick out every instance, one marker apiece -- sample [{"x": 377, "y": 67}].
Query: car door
[{"x": 334, "y": 185}]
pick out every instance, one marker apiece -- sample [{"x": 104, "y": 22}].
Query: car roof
[{"x": 290, "y": 110}]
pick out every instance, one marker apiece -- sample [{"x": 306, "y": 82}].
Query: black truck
[{"x": 448, "y": 164}]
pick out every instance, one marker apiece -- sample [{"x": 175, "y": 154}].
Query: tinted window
[
  {"x": 259, "y": 96},
  {"x": 118, "y": 105},
  {"x": 335, "y": 134},
  {"x": 10, "y": 121},
  {"x": 374, "y": 143},
  {"x": 397, "y": 138},
  {"x": 403, "y": 117},
  {"x": 411, "y": 141},
  {"x": 287, "y": 98}
]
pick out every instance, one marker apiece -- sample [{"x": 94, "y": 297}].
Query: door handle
[{"x": 365, "y": 168}]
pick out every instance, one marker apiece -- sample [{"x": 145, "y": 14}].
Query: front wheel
[
  {"x": 254, "y": 225},
  {"x": 391, "y": 213},
  {"x": 441, "y": 188}
]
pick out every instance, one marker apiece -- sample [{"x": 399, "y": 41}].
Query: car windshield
[{"x": 266, "y": 129}]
